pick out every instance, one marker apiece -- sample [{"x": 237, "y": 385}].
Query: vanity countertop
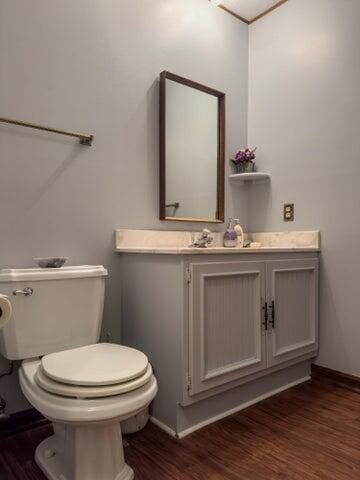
[{"x": 177, "y": 242}]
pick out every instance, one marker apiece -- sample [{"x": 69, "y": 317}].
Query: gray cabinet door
[
  {"x": 227, "y": 340},
  {"x": 292, "y": 294}
]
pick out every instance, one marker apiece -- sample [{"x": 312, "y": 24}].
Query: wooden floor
[{"x": 311, "y": 432}]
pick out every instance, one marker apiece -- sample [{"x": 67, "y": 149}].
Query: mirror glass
[{"x": 192, "y": 156}]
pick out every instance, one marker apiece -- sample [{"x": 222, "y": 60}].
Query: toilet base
[{"x": 84, "y": 453}]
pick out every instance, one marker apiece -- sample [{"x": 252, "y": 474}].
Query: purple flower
[{"x": 245, "y": 155}]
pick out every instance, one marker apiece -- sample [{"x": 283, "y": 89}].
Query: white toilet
[{"x": 86, "y": 389}]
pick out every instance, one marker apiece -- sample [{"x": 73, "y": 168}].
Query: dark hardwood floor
[{"x": 311, "y": 432}]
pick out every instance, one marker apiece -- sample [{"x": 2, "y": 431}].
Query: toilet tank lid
[{"x": 80, "y": 271}]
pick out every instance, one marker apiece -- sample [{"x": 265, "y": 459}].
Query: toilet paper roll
[{"x": 5, "y": 310}]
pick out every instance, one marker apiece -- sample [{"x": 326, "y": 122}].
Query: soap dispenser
[
  {"x": 230, "y": 236},
  {"x": 239, "y": 232}
]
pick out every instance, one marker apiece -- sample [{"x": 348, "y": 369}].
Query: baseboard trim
[
  {"x": 216, "y": 418},
  {"x": 163, "y": 426},
  {"x": 21, "y": 421},
  {"x": 346, "y": 380},
  {"x": 258, "y": 399}
]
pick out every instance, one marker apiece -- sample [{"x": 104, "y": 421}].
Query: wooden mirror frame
[{"x": 220, "y": 213}]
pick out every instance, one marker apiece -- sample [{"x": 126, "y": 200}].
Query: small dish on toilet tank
[{"x": 50, "y": 262}]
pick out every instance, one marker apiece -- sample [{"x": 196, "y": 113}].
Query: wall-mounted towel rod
[
  {"x": 175, "y": 205},
  {"x": 84, "y": 139}
]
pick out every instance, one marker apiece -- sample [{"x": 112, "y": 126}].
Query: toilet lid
[
  {"x": 79, "y": 391},
  {"x": 95, "y": 365}
]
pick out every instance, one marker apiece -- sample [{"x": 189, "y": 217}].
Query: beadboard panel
[
  {"x": 292, "y": 293},
  {"x": 230, "y": 302},
  {"x": 226, "y": 340},
  {"x": 293, "y": 287}
]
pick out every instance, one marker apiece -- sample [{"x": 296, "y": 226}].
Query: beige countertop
[{"x": 177, "y": 242}]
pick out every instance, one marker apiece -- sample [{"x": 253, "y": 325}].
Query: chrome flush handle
[{"x": 27, "y": 291}]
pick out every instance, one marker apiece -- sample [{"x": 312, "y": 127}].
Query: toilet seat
[
  {"x": 62, "y": 409},
  {"x": 95, "y": 365},
  {"x": 93, "y": 371},
  {"x": 80, "y": 391}
]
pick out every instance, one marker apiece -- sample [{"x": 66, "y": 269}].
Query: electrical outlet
[{"x": 289, "y": 212}]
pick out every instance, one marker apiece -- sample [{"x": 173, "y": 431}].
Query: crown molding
[
  {"x": 252, "y": 20},
  {"x": 242, "y": 19},
  {"x": 269, "y": 10}
]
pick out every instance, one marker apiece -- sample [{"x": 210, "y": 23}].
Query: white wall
[
  {"x": 93, "y": 66},
  {"x": 304, "y": 115}
]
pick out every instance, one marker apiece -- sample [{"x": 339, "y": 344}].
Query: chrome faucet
[{"x": 204, "y": 239}]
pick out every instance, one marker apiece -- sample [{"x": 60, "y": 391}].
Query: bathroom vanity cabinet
[
  {"x": 248, "y": 316},
  {"x": 222, "y": 330}
]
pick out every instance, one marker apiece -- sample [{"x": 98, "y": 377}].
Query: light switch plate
[{"x": 289, "y": 212}]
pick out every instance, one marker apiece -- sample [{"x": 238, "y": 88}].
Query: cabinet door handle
[
  {"x": 272, "y": 320},
  {"x": 266, "y": 315}
]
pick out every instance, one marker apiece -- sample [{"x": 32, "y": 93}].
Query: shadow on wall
[
  {"x": 33, "y": 177},
  {"x": 260, "y": 194},
  {"x": 332, "y": 329},
  {"x": 111, "y": 326},
  {"x": 42, "y": 190}
]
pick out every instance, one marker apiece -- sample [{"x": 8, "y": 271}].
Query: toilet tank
[{"x": 64, "y": 310}]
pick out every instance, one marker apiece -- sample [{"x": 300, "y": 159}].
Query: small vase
[
  {"x": 249, "y": 167},
  {"x": 244, "y": 167}
]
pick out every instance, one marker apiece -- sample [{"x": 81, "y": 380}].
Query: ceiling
[{"x": 249, "y": 10}]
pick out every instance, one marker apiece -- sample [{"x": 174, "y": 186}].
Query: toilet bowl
[
  {"x": 86, "y": 389},
  {"x": 87, "y": 441}
]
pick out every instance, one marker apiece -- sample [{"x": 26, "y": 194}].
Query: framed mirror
[{"x": 192, "y": 141}]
